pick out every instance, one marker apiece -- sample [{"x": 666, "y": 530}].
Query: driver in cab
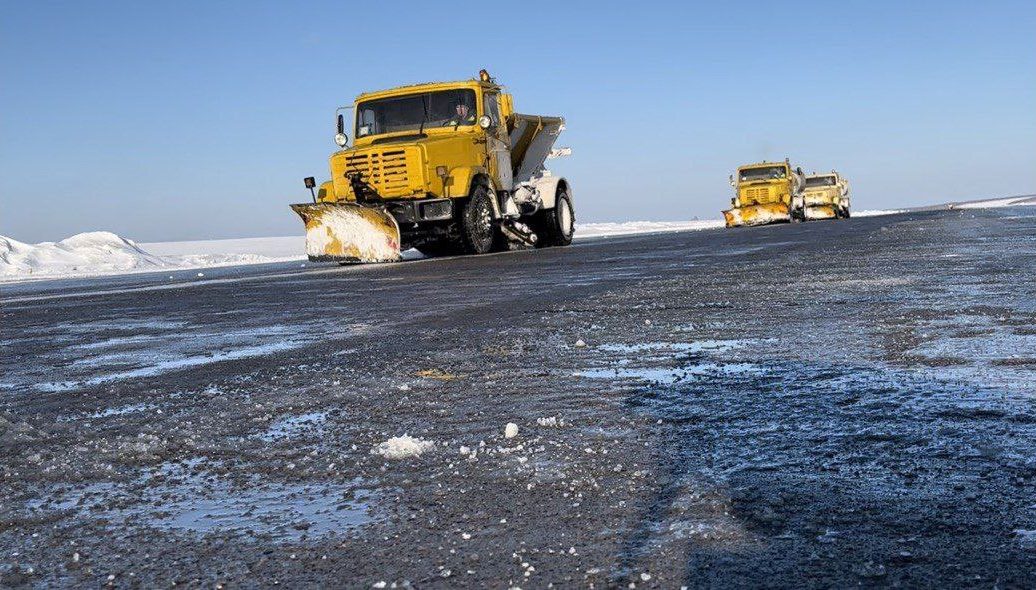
[{"x": 462, "y": 116}]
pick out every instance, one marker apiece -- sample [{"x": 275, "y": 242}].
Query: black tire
[
  {"x": 554, "y": 227},
  {"x": 478, "y": 232}
]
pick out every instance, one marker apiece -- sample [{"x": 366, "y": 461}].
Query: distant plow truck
[
  {"x": 446, "y": 167},
  {"x": 764, "y": 193},
  {"x": 826, "y": 196}
]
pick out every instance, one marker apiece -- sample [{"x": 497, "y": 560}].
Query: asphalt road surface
[{"x": 826, "y": 404}]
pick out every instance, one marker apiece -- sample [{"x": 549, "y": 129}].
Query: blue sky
[{"x": 164, "y": 121}]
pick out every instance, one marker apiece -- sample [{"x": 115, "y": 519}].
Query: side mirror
[
  {"x": 798, "y": 170},
  {"x": 341, "y": 123},
  {"x": 730, "y": 179}
]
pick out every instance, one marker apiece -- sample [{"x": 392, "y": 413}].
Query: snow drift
[
  {"x": 98, "y": 252},
  {"x": 104, "y": 253}
]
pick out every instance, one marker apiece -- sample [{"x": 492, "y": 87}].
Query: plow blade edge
[
  {"x": 347, "y": 232},
  {"x": 757, "y": 214}
]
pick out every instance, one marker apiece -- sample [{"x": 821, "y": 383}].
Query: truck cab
[{"x": 454, "y": 167}]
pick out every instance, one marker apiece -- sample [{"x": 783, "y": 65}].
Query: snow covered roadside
[
  {"x": 994, "y": 203},
  {"x": 876, "y": 212},
  {"x": 625, "y": 228},
  {"x": 102, "y": 253}
]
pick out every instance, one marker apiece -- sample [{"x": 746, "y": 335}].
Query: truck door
[{"x": 497, "y": 143}]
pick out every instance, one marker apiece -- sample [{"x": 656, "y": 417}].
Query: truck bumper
[
  {"x": 820, "y": 212},
  {"x": 417, "y": 211}
]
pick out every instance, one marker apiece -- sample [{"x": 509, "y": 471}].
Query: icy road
[{"x": 812, "y": 405}]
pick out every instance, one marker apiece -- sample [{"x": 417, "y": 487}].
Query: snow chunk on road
[
  {"x": 402, "y": 447},
  {"x": 511, "y": 430}
]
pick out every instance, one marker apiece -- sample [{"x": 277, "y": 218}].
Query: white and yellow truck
[{"x": 826, "y": 196}]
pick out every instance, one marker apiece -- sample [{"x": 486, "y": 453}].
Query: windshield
[
  {"x": 820, "y": 181},
  {"x": 767, "y": 173},
  {"x": 445, "y": 108}
]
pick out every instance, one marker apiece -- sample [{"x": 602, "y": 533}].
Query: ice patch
[
  {"x": 177, "y": 497},
  {"x": 670, "y": 376},
  {"x": 1026, "y": 538},
  {"x": 173, "y": 365},
  {"x": 123, "y": 410},
  {"x": 293, "y": 426},
  {"x": 653, "y": 352},
  {"x": 688, "y": 347},
  {"x": 402, "y": 447}
]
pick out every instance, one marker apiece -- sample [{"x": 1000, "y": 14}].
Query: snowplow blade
[
  {"x": 347, "y": 232},
  {"x": 820, "y": 212},
  {"x": 757, "y": 214}
]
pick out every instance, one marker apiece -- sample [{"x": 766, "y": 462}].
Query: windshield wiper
[{"x": 424, "y": 120}]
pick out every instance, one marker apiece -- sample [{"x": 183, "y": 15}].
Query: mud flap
[
  {"x": 820, "y": 212},
  {"x": 757, "y": 214},
  {"x": 347, "y": 232}
]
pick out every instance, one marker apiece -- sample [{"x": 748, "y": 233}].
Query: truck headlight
[
  {"x": 485, "y": 122},
  {"x": 341, "y": 139}
]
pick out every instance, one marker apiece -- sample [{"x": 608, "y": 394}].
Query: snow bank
[
  {"x": 595, "y": 230},
  {"x": 996, "y": 203},
  {"x": 402, "y": 447},
  {"x": 876, "y": 212},
  {"x": 96, "y": 252},
  {"x": 104, "y": 253}
]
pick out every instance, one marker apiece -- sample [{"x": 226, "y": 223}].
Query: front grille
[
  {"x": 386, "y": 171},
  {"x": 759, "y": 194}
]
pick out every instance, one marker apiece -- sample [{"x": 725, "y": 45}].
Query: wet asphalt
[{"x": 827, "y": 404}]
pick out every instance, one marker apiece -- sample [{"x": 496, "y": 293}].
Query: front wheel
[
  {"x": 555, "y": 227},
  {"x": 479, "y": 235}
]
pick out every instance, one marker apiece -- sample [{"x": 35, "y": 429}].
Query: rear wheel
[
  {"x": 554, "y": 227},
  {"x": 478, "y": 233}
]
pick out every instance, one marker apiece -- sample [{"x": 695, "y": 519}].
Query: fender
[
  {"x": 481, "y": 177},
  {"x": 548, "y": 188},
  {"x": 464, "y": 176}
]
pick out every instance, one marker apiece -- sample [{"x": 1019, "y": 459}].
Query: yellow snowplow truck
[
  {"x": 826, "y": 196},
  {"x": 447, "y": 168},
  {"x": 767, "y": 192}
]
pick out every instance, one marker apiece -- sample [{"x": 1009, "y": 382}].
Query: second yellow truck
[{"x": 766, "y": 192}]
